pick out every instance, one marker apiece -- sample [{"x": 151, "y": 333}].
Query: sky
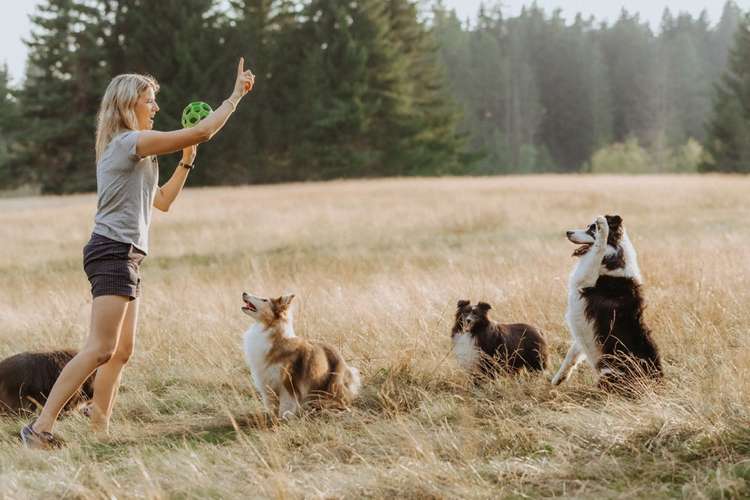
[{"x": 16, "y": 24}]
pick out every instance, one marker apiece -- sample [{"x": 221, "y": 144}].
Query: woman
[{"x": 127, "y": 175}]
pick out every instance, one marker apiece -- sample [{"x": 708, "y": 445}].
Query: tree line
[
  {"x": 379, "y": 88},
  {"x": 540, "y": 93},
  {"x": 343, "y": 89}
]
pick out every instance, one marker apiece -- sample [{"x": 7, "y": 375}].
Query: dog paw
[
  {"x": 602, "y": 229},
  {"x": 287, "y": 415},
  {"x": 87, "y": 409}
]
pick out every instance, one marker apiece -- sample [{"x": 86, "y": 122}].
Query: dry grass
[{"x": 377, "y": 267}]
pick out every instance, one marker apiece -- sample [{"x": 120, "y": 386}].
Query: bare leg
[
  {"x": 574, "y": 356},
  {"x": 109, "y": 375},
  {"x": 107, "y": 314}
]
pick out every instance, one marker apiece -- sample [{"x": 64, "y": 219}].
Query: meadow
[{"x": 377, "y": 267}]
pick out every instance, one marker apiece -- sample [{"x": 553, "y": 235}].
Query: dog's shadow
[
  {"x": 222, "y": 429},
  {"x": 217, "y": 430}
]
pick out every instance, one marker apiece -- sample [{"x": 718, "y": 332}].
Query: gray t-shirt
[{"x": 125, "y": 186}]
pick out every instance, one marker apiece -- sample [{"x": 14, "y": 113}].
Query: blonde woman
[{"x": 126, "y": 175}]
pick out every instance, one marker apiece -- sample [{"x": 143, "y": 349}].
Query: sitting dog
[
  {"x": 485, "y": 347},
  {"x": 605, "y": 308},
  {"x": 26, "y": 380},
  {"x": 289, "y": 371}
]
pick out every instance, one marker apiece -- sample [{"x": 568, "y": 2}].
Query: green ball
[{"x": 195, "y": 112}]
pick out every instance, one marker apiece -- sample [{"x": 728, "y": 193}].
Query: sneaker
[{"x": 39, "y": 440}]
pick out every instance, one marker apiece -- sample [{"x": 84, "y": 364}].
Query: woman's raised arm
[{"x": 152, "y": 142}]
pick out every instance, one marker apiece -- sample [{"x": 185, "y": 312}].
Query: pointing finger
[{"x": 241, "y": 66}]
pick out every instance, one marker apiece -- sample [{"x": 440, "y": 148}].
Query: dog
[
  {"x": 26, "y": 380},
  {"x": 288, "y": 371},
  {"x": 484, "y": 347},
  {"x": 605, "y": 308}
]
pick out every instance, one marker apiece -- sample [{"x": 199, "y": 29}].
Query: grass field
[{"x": 377, "y": 267}]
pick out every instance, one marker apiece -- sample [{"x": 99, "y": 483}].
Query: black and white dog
[
  {"x": 605, "y": 308},
  {"x": 484, "y": 347}
]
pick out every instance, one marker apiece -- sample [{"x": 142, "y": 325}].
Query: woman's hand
[
  {"x": 244, "y": 82},
  {"x": 151, "y": 142},
  {"x": 188, "y": 154}
]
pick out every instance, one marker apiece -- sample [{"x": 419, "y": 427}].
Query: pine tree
[
  {"x": 723, "y": 36},
  {"x": 564, "y": 65},
  {"x": 629, "y": 49},
  {"x": 487, "y": 103},
  {"x": 344, "y": 45},
  {"x": 59, "y": 99},
  {"x": 273, "y": 35},
  {"x": 728, "y": 141},
  {"x": 8, "y": 126},
  {"x": 422, "y": 132},
  {"x": 457, "y": 53},
  {"x": 526, "y": 84},
  {"x": 372, "y": 97},
  {"x": 602, "y": 100}
]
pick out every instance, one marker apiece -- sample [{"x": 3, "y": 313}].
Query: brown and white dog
[
  {"x": 484, "y": 347},
  {"x": 605, "y": 308},
  {"x": 289, "y": 371},
  {"x": 26, "y": 380}
]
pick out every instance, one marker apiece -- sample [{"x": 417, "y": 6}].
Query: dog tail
[{"x": 346, "y": 381}]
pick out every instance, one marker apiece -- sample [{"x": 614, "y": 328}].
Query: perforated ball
[{"x": 194, "y": 113}]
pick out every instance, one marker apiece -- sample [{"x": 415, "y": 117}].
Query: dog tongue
[{"x": 581, "y": 250}]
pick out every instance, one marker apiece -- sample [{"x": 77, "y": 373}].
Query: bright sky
[{"x": 16, "y": 23}]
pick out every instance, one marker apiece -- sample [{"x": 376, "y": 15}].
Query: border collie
[
  {"x": 482, "y": 346},
  {"x": 289, "y": 371},
  {"x": 26, "y": 380},
  {"x": 605, "y": 308}
]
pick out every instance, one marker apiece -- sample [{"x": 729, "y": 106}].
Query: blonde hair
[{"x": 117, "y": 110}]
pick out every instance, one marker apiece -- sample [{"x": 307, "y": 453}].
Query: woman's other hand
[{"x": 188, "y": 154}]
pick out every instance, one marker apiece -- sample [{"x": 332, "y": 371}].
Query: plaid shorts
[{"x": 112, "y": 267}]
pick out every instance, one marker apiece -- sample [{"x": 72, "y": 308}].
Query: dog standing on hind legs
[
  {"x": 605, "y": 308},
  {"x": 289, "y": 371}
]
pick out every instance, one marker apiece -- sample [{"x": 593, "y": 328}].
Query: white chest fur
[
  {"x": 466, "y": 351},
  {"x": 257, "y": 344},
  {"x": 581, "y": 329}
]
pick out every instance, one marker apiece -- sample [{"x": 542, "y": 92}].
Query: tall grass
[{"x": 377, "y": 267}]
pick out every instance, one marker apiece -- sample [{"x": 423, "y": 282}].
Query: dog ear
[
  {"x": 285, "y": 300},
  {"x": 483, "y": 306},
  {"x": 613, "y": 220},
  {"x": 463, "y": 303}
]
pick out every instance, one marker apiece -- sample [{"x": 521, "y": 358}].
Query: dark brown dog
[
  {"x": 26, "y": 380},
  {"x": 485, "y": 347}
]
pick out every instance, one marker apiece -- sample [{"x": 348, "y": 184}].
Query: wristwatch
[{"x": 186, "y": 165}]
